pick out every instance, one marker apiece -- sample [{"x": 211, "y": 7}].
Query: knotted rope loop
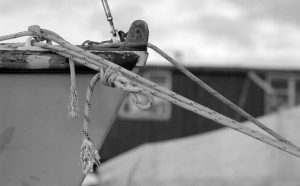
[
  {"x": 109, "y": 77},
  {"x": 141, "y": 98},
  {"x": 37, "y": 32},
  {"x": 126, "y": 85},
  {"x": 143, "y": 101}
]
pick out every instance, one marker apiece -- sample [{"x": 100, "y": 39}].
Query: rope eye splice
[{"x": 37, "y": 33}]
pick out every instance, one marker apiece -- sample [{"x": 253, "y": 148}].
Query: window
[
  {"x": 161, "y": 110},
  {"x": 287, "y": 88}
]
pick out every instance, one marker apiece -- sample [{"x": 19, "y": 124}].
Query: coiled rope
[{"x": 131, "y": 82}]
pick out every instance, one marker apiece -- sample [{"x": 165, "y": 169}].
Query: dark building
[{"x": 257, "y": 91}]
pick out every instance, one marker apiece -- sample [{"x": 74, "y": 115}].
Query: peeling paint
[{"x": 37, "y": 61}]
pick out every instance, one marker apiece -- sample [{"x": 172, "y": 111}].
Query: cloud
[
  {"x": 218, "y": 27},
  {"x": 210, "y": 30},
  {"x": 67, "y": 18},
  {"x": 284, "y": 11}
]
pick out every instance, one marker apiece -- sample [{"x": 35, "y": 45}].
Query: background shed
[{"x": 134, "y": 127}]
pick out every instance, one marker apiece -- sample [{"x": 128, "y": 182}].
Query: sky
[{"x": 197, "y": 32}]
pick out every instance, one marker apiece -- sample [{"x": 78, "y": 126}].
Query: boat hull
[{"x": 39, "y": 145}]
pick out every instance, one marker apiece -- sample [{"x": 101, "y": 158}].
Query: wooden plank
[
  {"x": 43, "y": 59},
  {"x": 132, "y": 52},
  {"x": 261, "y": 83}
]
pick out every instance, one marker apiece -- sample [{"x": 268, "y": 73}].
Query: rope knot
[
  {"x": 140, "y": 97},
  {"x": 37, "y": 33},
  {"x": 143, "y": 101},
  {"x": 109, "y": 77}
]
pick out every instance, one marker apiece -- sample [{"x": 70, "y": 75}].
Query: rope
[
  {"x": 141, "y": 100},
  {"x": 73, "y": 98},
  {"x": 129, "y": 81},
  {"x": 218, "y": 95},
  {"x": 16, "y": 35},
  {"x": 89, "y": 155},
  {"x": 207, "y": 113},
  {"x": 176, "y": 97}
]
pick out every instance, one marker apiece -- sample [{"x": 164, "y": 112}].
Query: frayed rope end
[{"x": 89, "y": 156}]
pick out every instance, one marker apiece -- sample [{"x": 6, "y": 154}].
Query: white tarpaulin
[{"x": 223, "y": 157}]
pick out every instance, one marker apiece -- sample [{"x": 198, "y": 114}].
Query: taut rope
[
  {"x": 218, "y": 95},
  {"x": 131, "y": 82}
]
